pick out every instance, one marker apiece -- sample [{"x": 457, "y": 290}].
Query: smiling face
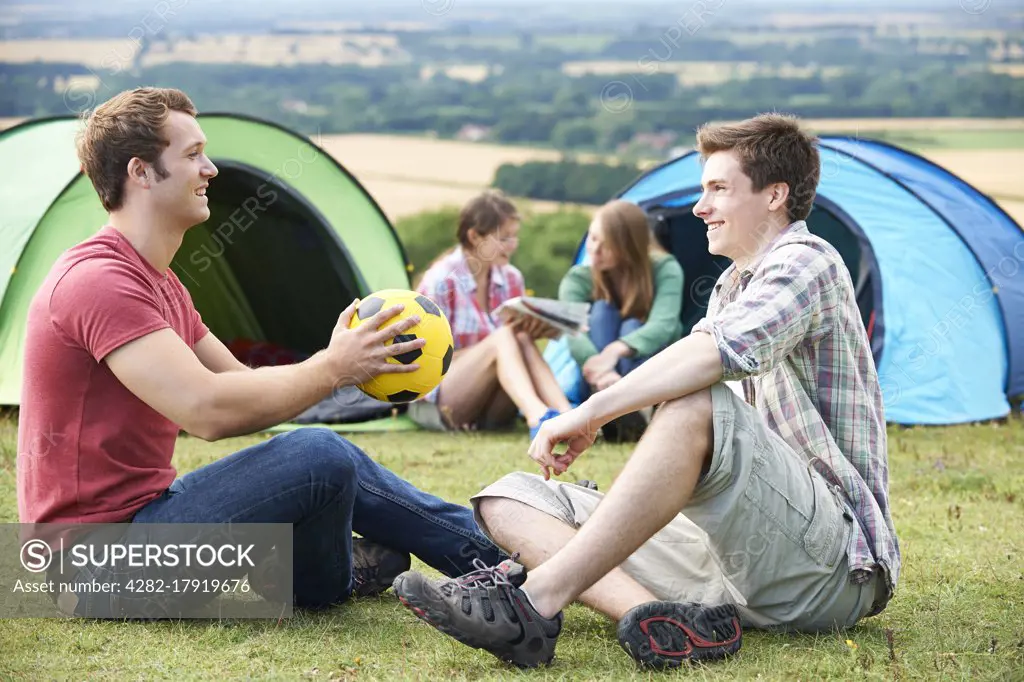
[
  {"x": 738, "y": 218},
  {"x": 178, "y": 193}
]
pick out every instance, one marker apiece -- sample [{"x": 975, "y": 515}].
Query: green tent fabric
[
  {"x": 401, "y": 422},
  {"x": 292, "y": 236}
]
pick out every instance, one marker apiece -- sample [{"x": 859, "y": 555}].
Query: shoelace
[{"x": 483, "y": 576}]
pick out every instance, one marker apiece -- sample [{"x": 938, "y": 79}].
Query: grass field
[{"x": 957, "y": 496}]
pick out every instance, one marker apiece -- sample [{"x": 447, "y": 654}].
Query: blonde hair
[{"x": 129, "y": 124}]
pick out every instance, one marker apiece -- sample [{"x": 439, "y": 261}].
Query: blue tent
[{"x": 938, "y": 266}]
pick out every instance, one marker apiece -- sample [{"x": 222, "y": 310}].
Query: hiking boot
[
  {"x": 485, "y": 609},
  {"x": 265, "y": 579},
  {"x": 663, "y": 634},
  {"x": 375, "y": 567}
]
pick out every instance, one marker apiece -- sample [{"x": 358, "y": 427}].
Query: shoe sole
[
  {"x": 439, "y": 621},
  {"x": 634, "y": 637}
]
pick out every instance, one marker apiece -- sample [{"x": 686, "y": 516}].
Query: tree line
[{"x": 526, "y": 103}]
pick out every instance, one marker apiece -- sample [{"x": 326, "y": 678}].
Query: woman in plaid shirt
[{"x": 497, "y": 367}]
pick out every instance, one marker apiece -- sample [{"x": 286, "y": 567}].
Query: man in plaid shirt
[{"x": 771, "y": 512}]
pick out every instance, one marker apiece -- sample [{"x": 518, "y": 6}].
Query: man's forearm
[
  {"x": 244, "y": 402},
  {"x": 689, "y": 365}
]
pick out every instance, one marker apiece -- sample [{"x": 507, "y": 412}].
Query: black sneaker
[
  {"x": 663, "y": 634},
  {"x": 485, "y": 609},
  {"x": 626, "y": 429},
  {"x": 265, "y": 579},
  {"x": 375, "y": 567}
]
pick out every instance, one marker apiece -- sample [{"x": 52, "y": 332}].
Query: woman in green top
[{"x": 635, "y": 290}]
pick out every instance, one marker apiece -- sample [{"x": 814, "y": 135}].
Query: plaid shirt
[
  {"x": 789, "y": 327},
  {"x": 451, "y": 285}
]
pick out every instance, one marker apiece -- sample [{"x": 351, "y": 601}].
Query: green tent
[{"x": 292, "y": 236}]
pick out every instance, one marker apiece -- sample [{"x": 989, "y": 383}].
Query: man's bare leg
[
  {"x": 518, "y": 527},
  {"x": 659, "y": 479}
]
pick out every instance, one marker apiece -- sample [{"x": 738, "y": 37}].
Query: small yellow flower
[{"x": 852, "y": 644}]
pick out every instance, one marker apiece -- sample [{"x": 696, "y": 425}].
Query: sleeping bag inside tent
[
  {"x": 292, "y": 238},
  {"x": 938, "y": 269}
]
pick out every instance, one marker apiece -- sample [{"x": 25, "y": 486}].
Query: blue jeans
[
  {"x": 606, "y": 327},
  {"x": 327, "y": 487}
]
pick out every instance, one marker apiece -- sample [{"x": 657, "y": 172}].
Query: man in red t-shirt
[{"x": 118, "y": 360}]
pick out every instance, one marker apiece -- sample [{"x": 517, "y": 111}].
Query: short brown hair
[
  {"x": 485, "y": 213},
  {"x": 127, "y": 125},
  {"x": 772, "y": 148}
]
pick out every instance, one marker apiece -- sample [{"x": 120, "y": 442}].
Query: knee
[
  {"x": 603, "y": 307},
  {"x": 694, "y": 411},
  {"x": 326, "y": 455},
  {"x": 497, "y": 511},
  {"x": 504, "y": 340},
  {"x": 629, "y": 325},
  {"x": 504, "y": 334}
]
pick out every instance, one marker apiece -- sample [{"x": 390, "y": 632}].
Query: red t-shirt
[{"x": 89, "y": 451}]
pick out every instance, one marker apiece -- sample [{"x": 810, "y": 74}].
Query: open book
[{"x": 568, "y": 317}]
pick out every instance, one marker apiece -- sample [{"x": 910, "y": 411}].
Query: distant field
[
  {"x": 283, "y": 50},
  {"x": 447, "y": 161},
  {"x": 1015, "y": 70},
  {"x": 996, "y": 172},
  {"x": 872, "y": 18},
  {"x": 400, "y": 198},
  {"x": 587, "y": 42},
  {"x": 261, "y": 50},
  {"x": 496, "y": 42},
  {"x": 472, "y": 73},
  {"x": 407, "y": 175},
  {"x": 96, "y": 54},
  {"x": 1015, "y": 209},
  {"x": 945, "y": 139},
  {"x": 916, "y": 124},
  {"x": 695, "y": 73}
]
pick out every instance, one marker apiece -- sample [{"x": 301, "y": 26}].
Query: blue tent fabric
[
  {"x": 992, "y": 236},
  {"x": 950, "y": 276}
]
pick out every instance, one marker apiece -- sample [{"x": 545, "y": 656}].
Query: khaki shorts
[{"x": 763, "y": 531}]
